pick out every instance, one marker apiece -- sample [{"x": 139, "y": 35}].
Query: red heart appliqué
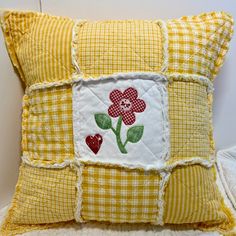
[{"x": 94, "y": 142}]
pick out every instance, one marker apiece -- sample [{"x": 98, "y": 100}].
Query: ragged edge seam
[
  {"x": 25, "y": 158},
  {"x": 105, "y": 77},
  {"x": 169, "y": 77},
  {"x": 165, "y": 124},
  {"x": 161, "y": 201},
  {"x": 165, "y": 57},
  {"x": 24, "y": 117},
  {"x": 169, "y": 167},
  {"x": 191, "y": 77},
  {"x": 75, "y": 47},
  {"x": 79, "y": 200},
  {"x": 210, "y": 136}
]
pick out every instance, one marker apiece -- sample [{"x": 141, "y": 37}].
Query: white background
[{"x": 11, "y": 89}]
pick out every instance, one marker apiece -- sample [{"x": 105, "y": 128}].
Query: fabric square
[
  {"x": 44, "y": 195},
  {"x": 48, "y": 130},
  {"x": 117, "y": 125},
  {"x": 189, "y": 117},
  {"x": 119, "y": 195},
  {"x": 119, "y": 46}
]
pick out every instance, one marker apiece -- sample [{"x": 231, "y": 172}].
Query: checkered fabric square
[
  {"x": 107, "y": 47},
  {"x": 119, "y": 195},
  {"x": 44, "y": 195},
  {"x": 197, "y": 44},
  {"x": 189, "y": 118},
  {"x": 49, "y": 126}
]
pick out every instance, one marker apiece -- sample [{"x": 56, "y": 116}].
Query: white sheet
[{"x": 226, "y": 162}]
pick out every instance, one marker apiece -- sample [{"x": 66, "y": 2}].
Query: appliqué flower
[{"x": 126, "y": 104}]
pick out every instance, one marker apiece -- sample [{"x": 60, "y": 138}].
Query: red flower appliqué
[{"x": 126, "y": 104}]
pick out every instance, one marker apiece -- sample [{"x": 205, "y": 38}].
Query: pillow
[{"x": 117, "y": 120}]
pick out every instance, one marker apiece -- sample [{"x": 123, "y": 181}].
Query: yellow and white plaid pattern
[
  {"x": 189, "y": 118},
  {"x": 197, "y": 44},
  {"x": 107, "y": 47},
  {"x": 44, "y": 195},
  {"x": 50, "y": 130},
  {"x": 119, "y": 195}
]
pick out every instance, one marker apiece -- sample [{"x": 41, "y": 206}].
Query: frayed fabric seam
[{"x": 78, "y": 211}]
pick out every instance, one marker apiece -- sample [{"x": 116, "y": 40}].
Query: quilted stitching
[
  {"x": 39, "y": 55},
  {"x": 97, "y": 103},
  {"x": 195, "y": 43},
  {"x": 119, "y": 195},
  {"x": 132, "y": 54},
  {"x": 44, "y": 195},
  {"x": 193, "y": 187},
  {"x": 49, "y": 126},
  {"x": 189, "y": 118},
  {"x": 119, "y": 46}
]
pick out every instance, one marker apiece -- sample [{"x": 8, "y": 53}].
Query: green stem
[
  {"x": 118, "y": 138},
  {"x": 126, "y": 141}
]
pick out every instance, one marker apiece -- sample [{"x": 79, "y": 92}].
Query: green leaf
[
  {"x": 135, "y": 133},
  {"x": 103, "y": 120}
]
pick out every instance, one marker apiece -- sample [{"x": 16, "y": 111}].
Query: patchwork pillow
[{"x": 117, "y": 120}]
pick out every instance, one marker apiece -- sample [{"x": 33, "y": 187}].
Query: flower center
[{"x": 125, "y": 104}]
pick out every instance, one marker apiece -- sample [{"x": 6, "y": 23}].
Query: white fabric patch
[{"x": 122, "y": 120}]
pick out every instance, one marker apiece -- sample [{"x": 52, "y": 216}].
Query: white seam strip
[
  {"x": 191, "y": 161},
  {"x": 174, "y": 76},
  {"x": 161, "y": 202},
  {"x": 79, "y": 78},
  {"x": 75, "y": 46},
  {"x": 78, "y": 216},
  {"x": 164, "y": 33},
  {"x": 165, "y": 124},
  {"x": 26, "y": 159},
  {"x": 191, "y": 77}
]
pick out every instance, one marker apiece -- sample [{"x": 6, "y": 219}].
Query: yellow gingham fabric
[
  {"x": 49, "y": 132},
  {"x": 40, "y": 49},
  {"x": 119, "y": 195},
  {"x": 198, "y": 44}
]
